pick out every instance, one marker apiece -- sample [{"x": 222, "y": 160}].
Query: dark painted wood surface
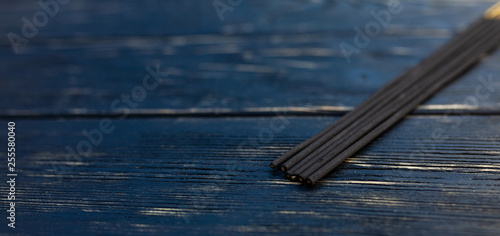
[
  {"x": 85, "y": 71},
  {"x": 196, "y": 161},
  {"x": 115, "y": 19},
  {"x": 197, "y": 176},
  {"x": 91, "y": 77}
]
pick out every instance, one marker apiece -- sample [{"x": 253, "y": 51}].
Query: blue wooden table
[{"x": 161, "y": 117}]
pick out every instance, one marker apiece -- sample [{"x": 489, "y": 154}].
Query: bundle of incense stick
[{"x": 319, "y": 155}]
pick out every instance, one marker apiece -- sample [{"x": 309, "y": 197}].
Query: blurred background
[
  {"x": 236, "y": 55},
  {"x": 214, "y": 91}
]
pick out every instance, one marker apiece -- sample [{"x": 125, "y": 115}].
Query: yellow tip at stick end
[{"x": 493, "y": 12}]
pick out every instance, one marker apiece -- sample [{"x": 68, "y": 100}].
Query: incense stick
[
  {"x": 320, "y": 154},
  {"x": 300, "y": 160},
  {"x": 382, "y": 111},
  {"x": 332, "y": 164},
  {"x": 452, "y": 71},
  {"x": 311, "y": 144}
]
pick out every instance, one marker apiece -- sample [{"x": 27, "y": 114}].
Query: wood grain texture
[
  {"x": 429, "y": 175},
  {"x": 215, "y": 71},
  {"x": 115, "y": 19},
  {"x": 229, "y": 107}
]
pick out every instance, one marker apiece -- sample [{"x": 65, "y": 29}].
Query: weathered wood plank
[
  {"x": 429, "y": 175},
  {"x": 114, "y": 18},
  {"x": 87, "y": 79},
  {"x": 275, "y": 65}
]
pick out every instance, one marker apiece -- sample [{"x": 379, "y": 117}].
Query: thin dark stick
[
  {"x": 360, "y": 111},
  {"x": 374, "y": 99},
  {"x": 381, "y": 111},
  {"x": 325, "y": 156},
  {"x": 298, "y": 162},
  {"x": 463, "y": 62}
]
